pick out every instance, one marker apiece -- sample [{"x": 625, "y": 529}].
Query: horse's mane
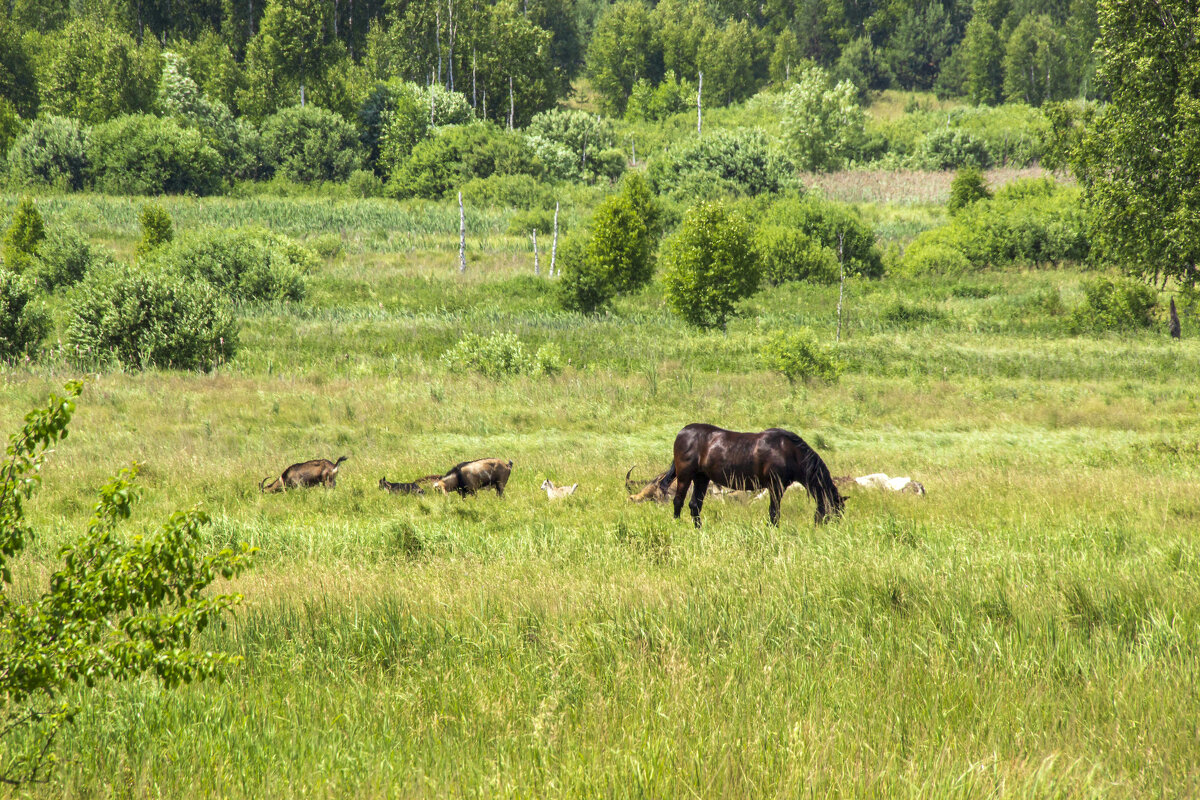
[{"x": 817, "y": 477}]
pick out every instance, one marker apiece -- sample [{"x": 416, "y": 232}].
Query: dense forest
[{"x": 222, "y": 79}]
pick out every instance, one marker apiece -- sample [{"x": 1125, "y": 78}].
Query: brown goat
[
  {"x": 401, "y": 488},
  {"x": 654, "y": 490},
  {"x": 301, "y": 476},
  {"x": 471, "y": 476}
]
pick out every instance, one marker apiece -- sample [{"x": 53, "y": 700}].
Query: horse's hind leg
[
  {"x": 776, "y": 489},
  {"x": 681, "y": 490},
  {"x": 699, "y": 487}
]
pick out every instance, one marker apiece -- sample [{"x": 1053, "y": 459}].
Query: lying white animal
[
  {"x": 879, "y": 480},
  {"x": 555, "y": 492}
]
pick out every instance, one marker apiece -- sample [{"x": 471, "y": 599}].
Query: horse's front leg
[
  {"x": 681, "y": 490},
  {"x": 698, "y": 490}
]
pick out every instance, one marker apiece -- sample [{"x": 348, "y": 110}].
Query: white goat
[{"x": 555, "y": 492}]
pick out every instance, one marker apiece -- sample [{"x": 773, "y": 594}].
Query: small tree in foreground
[
  {"x": 115, "y": 609},
  {"x": 710, "y": 265},
  {"x": 157, "y": 228}
]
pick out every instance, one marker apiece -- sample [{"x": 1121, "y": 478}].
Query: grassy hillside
[{"x": 1029, "y": 629}]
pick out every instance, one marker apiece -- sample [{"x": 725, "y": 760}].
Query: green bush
[
  {"x": 951, "y": 149},
  {"x": 23, "y": 236},
  {"x": 823, "y": 221},
  {"x": 157, "y": 228},
  {"x": 66, "y": 257},
  {"x": 1012, "y": 135},
  {"x": 144, "y": 154},
  {"x": 508, "y": 191},
  {"x": 500, "y": 356},
  {"x": 709, "y": 265},
  {"x": 307, "y": 144},
  {"x": 787, "y": 254},
  {"x": 51, "y": 153},
  {"x": 929, "y": 256},
  {"x": 796, "y": 355},
  {"x": 584, "y": 137},
  {"x": 243, "y": 264},
  {"x": 438, "y": 166},
  {"x": 149, "y": 318},
  {"x": 541, "y": 220},
  {"x": 967, "y": 187},
  {"x": 327, "y": 245},
  {"x": 1114, "y": 305},
  {"x": 617, "y": 254},
  {"x": 364, "y": 183},
  {"x": 23, "y": 324},
  {"x": 731, "y": 162}
]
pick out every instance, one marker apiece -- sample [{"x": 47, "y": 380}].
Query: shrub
[
  {"x": 144, "y": 154},
  {"x": 787, "y": 254},
  {"x": 616, "y": 256},
  {"x": 23, "y": 236},
  {"x": 148, "y": 318},
  {"x": 327, "y": 245},
  {"x": 23, "y": 325},
  {"x": 1113, "y": 305},
  {"x": 583, "y": 136},
  {"x": 540, "y": 220},
  {"x": 157, "y": 228},
  {"x": 796, "y": 355},
  {"x": 364, "y": 183},
  {"x": 501, "y": 355},
  {"x": 710, "y": 265},
  {"x": 951, "y": 149},
  {"x": 737, "y": 162},
  {"x": 823, "y": 221},
  {"x": 306, "y": 144},
  {"x": 584, "y": 286},
  {"x": 511, "y": 191},
  {"x": 66, "y": 257},
  {"x": 456, "y": 154},
  {"x": 929, "y": 256},
  {"x": 245, "y": 264},
  {"x": 822, "y": 124},
  {"x": 967, "y": 187},
  {"x": 52, "y": 152}
]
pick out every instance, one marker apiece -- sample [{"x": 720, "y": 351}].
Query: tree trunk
[
  {"x": 537, "y": 267},
  {"x": 462, "y": 236},
  {"x": 699, "y": 108},
  {"x": 554, "y": 245},
  {"x": 841, "y": 287},
  {"x": 510, "y": 102}
]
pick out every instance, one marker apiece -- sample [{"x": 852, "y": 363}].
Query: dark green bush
[
  {"x": 243, "y": 264},
  {"x": 541, "y": 220},
  {"x": 23, "y": 324},
  {"x": 23, "y": 236},
  {"x": 144, "y": 154},
  {"x": 307, "y": 144},
  {"x": 823, "y": 221},
  {"x": 911, "y": 314},
  {"x": 66, "y": 257},
  {"x": 501, "y": 355},
  {"x": 1114, "y": 305},
  {"x": 584, "y": 286},
  {"x": 788, "y": 254},
  {"x": 52, "y": 152},
  {"x": 438, "y": 166},
  {"x": 157, "y": 228},
  {"x": 148, "y": 318}
]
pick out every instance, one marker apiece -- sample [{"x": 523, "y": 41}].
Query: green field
[{"x": 1030, "y": 628}]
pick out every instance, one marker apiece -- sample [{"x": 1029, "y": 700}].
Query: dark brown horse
[{"x": 772, "y": 460}]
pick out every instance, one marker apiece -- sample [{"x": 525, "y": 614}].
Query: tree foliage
[
  {"x": 822, "y": 124},
  {"x": 1140, "y": 158},
  {"x": 709, "y": 265},
  {"x": 116, "y": 608}
]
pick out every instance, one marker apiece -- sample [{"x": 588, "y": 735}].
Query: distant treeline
[{"x": 93, "y": 60}]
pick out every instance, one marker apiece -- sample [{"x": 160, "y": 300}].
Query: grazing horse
[{"x": 770, "y": 460}]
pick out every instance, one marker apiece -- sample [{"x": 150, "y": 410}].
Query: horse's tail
[{"x": 664, "y": 482}]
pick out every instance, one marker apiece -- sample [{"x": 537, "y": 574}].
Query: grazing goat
[
  {"x": 879, "y": 480},
  {"x": 301, "y": 476},
  {"x": 555, "y": 492},
  {"x": 660, "y": 490},
  {"x": 471, "y": 476},
  {"x": 401, "y": 488}
]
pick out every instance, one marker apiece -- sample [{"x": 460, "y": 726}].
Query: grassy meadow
[{"x": 1030, "y": 628}]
